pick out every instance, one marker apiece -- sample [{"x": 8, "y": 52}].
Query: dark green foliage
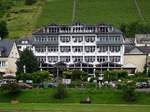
[
  {"x": 3, "y": 29},
  {"x": 107, "y": 75},
  {"x": 28, "y": 59},
  {"x": 30, "y": 2},
  {"x": 79, "y": 75},
  {"x": 115, "y": 75},
  {"x": 119, "y": 74},
  {"x": 36, "y": 77},
  {"x": 40, "y": 76},
  {"x": 10, "y": 88},
  {"x": 129, "y": 94},
  {"x": 60, "y": 92},
  {"x": 75, "y": 74},
  {"x": 67, "y": 74},
  {"x": 97, "y": 74},
  {"x": 131, "y": 29}
]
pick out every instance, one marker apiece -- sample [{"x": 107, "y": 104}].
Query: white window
[
  {"x": 65, "y": 58},
  {"x": 77, "y": 58},
  {"x": 89, "y": 49},
  {"x": 2, "y": 63},
  {"x": 89, "y": 58},
  {"x": 102, "y": 48},
  {"x": 115, "y": 58},
  {"x": 102, "y": 58},
  {"x": 65, "y": 48},
  {"x": 53, "y": 59},
  {"x": 77, "y": 49}
]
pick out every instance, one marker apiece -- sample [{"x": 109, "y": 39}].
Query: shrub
[
  {"x": 30, "y": 2},
  {"x": 129, "y": 94},
  {"x": 60, "y": 92},
  {"x": 10, "y": 88}
]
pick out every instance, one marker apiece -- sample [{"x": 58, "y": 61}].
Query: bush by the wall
[
  {"x": 60, "y": 92},
  {"x": 129, "y": 94}
]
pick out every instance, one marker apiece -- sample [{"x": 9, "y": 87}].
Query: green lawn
[
  {"x": 98, "y": 96},
  {"x": 45, "y": 107}
]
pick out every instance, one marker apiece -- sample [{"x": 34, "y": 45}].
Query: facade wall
[
  {"x": 138, "y": 60},
  {"x": 10, "y": 62},
  {"x": 44, "y": 53},
  {"x": 78, "y": 43}
]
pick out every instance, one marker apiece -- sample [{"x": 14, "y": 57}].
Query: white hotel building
[{"x": 82, "y": 46}]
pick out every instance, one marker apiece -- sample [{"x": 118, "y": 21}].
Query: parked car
[
  {"x": 24, "y": 86},
  {"x": 39, "y": 85},
  {"x": 142, "y": 85},
  {"x": 52, "y": 85}
]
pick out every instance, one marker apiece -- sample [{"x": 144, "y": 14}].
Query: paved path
[
  {"x": 143, "y": 90},
  {"x": 74, "y": 11},
  {"x": 139, "y": 10}
]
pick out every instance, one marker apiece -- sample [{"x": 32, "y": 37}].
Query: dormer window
[{"x": 24, "y": 42}]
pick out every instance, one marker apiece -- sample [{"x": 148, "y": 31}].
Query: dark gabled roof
[
  {"x": 129, "y": 48},
  {"x": 29, "y": 39},
  {"x": 144, "y": 49},
  {"x": 6, "y": 46}
]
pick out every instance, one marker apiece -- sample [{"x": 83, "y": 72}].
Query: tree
[
  {"x": 79, "y": 75},
  {"x": 60, "y": 92},
  {"x": 3, "y": 29},
  {"x": 67, "y": 73},
  {"x": 129, "y": 94},
  {"x": 36, "y": 77},
  {"x": 107, "y": 75},
  {"x": 28, "y": 60},
  {"x": 133, "y": 28},
  {"x": 30, "y": 2},
  {"x": 39, "y": 76},
  {"x": 97, "y": 74}
]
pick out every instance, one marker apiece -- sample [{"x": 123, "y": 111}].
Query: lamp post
[{"x": 24, "y": 68}]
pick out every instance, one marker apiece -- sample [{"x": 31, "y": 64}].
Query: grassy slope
[
  {"x": 109, "y": 11},
  {"x": 145, "y": 9},
  {"x": 28, "y": 107},
  {"x": 56, "y": 11},
  {"x": 21, "y": 19},
  {"x": 75, "y": 96},
  {"x": 60, "y": 11}
]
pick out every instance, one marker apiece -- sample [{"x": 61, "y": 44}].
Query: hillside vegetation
[{"x": 23, "y": 19}]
